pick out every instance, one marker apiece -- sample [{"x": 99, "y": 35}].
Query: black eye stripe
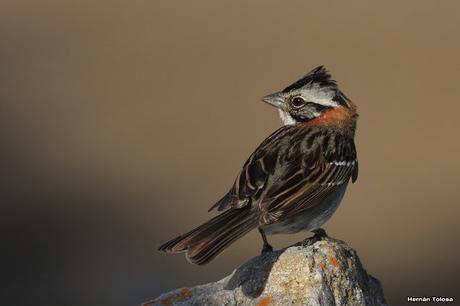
[
  {"x": 319, "y": 107},
  {"x": 298, "y": 103}
]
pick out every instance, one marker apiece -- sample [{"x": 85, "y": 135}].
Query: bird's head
[{"x": 315, "y": 98}]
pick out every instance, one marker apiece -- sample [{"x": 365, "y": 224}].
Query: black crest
[{"x": 319, "y": 76}]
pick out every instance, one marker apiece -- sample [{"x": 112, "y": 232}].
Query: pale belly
[{"x": 309, "y": 219}]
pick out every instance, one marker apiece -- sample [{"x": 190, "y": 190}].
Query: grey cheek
[{"x": 310, "y": 114}]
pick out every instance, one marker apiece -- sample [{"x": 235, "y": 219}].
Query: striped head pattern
[{"x": 314, "y": 96}]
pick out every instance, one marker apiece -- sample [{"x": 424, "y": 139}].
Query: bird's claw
[{"x": 319, "y": 234}]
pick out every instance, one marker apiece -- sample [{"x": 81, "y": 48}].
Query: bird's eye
[{"x": 297, "y": 102}]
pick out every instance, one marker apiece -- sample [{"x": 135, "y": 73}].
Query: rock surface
[{"x": 315, "y": 272}]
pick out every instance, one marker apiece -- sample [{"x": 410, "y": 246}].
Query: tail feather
[{"x": 208, "y": 240}]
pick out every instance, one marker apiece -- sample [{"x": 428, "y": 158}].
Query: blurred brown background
[{"x": 123, "y": 121}]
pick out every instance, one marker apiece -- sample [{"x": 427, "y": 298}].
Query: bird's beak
[{"x": 275, "y": 100}]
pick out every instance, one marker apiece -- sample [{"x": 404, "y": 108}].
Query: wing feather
[
  {"x": 252, "y": 179},
  {"x": 292, "y": 170},
  {"x": 315, "y": 178}
]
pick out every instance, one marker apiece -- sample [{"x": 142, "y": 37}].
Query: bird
[{"x": 295, "y": 179}]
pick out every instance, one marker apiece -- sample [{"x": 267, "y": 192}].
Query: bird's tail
[{"x": 208, "y": 240}]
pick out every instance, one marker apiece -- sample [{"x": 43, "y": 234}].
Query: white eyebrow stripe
[{"x": 317, "y": 94}]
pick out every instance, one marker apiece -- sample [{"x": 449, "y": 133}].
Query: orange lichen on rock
[
  {"x": 289, "y": 285},
  {"x": 178, "y": 297},
  {"x": 334, "y": 261},
  {"x": 322, "y": 265},
  {"x": 265, "y": 301}
]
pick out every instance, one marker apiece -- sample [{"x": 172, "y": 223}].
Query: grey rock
[{"x": 314, "y": 272}]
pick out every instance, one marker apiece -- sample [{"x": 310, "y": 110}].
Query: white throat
[{"x": 285, "y": 117}]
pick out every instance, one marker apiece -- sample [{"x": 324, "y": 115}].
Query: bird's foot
[
  {"x": 266, "y": 249},
  {"x": 319, "y": 234}
]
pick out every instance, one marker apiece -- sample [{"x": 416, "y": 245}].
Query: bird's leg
[{"x": 267, "y": 247}]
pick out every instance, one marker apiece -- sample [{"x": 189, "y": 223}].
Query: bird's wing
[
  {"x": 293, "y": 169},
  {"x": 318, "y": 170},
  {"x": 252, "y": 179}
]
